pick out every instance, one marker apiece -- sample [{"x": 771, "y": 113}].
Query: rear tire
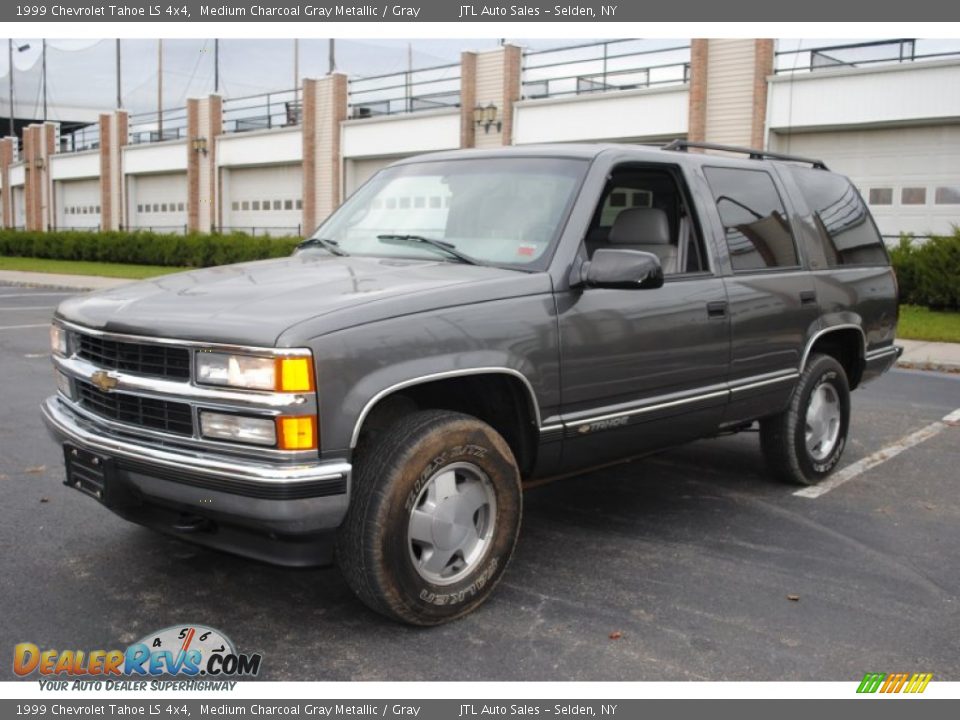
[
  {"x": 804, "y": 443},
  {"x": 433, "y": 518}
]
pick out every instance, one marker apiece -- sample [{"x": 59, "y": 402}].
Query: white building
[{"x": 886, "y": 113}]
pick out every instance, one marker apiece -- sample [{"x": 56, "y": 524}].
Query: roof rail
[{"x": 683, "y": 145}]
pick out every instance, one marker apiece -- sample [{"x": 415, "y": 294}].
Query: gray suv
[{"x": 466, "y": 323}]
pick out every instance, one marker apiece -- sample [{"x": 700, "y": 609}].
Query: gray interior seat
[{"x": 645, "y": 229}]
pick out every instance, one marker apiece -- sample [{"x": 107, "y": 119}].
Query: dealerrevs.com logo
[
  {"x": 186, "y": 651},
  {"x": 890, "y": 683}
]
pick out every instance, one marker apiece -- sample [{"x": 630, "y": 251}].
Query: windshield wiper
[
  {"x": 331, "y": 246},
  {"x": 446, "y": 247}
]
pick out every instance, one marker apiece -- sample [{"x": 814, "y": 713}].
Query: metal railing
[
  {"x": 606, "y": 66},
  {"x": 86, "y": 228},
  {"x": 159, "y": 228},
  {"x": 254, "y": 230},
  {"x": 863, "y": 54},
  {"x": 84, "y": 138},
  {"x": 409, "y": 91},
  {"x": 151, "y": 127},
  {"x": 262, "y": 112}
]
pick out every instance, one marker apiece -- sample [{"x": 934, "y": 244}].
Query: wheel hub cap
[
  {"x": 451, "y": 524},
  {"x": 822, "y": 422}
]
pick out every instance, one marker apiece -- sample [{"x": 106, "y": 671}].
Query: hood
[{"x": 254, "y": 303}]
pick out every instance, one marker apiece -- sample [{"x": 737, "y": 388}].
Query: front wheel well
[
  {"x": 846, "y": 346},
  {"x": 502, "y": 401}
]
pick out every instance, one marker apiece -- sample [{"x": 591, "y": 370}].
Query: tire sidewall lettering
[
  {"x": 442, "y": 599},
  {"x": 822, "y": 468}
]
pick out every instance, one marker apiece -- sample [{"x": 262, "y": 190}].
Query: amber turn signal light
[
  {"x": 297, "y": 433},
  {"x": 295, "y": 374}
]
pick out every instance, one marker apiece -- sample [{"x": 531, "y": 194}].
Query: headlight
[
  {"x": 286, "y": 374},
  {"x": 58, "y": 340},
  {"x": 220, "y": 426}
]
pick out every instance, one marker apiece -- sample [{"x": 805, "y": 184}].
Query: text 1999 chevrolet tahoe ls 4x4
[{"x": 465, "y": 322}]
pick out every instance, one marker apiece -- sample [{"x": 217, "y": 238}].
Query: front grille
[
  {"x": 143, "y": 359},
  {"x": 162, "y": 415}
]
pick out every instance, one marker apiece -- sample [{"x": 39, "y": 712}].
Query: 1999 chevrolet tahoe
[{"x": 464, "y": 323}]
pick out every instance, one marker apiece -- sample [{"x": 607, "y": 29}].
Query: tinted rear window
[
  {"x": 753, "y": 216},
  {"x": 847, "y": 232}
]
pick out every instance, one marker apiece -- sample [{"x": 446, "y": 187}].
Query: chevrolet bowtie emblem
[{"x": 104, "y": 381}]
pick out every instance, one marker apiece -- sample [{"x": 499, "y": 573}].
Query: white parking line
[
  {"x": 23, "y": 327},
  {"x": 881, "y": 456}
]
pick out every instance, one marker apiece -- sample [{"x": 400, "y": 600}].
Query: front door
[{"x": 642, "y": 369}]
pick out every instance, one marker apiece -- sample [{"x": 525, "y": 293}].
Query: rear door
[{"x": 772, "y": 298}]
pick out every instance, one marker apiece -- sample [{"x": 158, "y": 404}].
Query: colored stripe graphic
[{"x": 890, "y": 683}]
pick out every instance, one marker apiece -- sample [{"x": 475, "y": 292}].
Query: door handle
[
  {"x": 717, "y": 309},
  {"x": 808, "y": 297}
]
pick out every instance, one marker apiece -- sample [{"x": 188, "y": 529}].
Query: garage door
[
  {"x": 78, "y": 203},
  {"x": 19, "y": 207},
  {"x": 910, "y": 177},
  {"x": 157, "y": 202},
  {"x": 265, "y": 200}
]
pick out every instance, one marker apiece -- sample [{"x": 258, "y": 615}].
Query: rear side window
[
  {"x": 847, "y": 232},
  {"x": 753, "y": 216}
]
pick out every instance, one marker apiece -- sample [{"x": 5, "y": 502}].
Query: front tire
[
  {"x": 803, "y": 444},
  {"x": 433, "y": 519}
]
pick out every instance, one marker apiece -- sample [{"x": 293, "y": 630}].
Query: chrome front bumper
[{"x": 283, "y": 513}]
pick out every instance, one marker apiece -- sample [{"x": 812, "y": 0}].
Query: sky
[{"x": 82, "y": 73}]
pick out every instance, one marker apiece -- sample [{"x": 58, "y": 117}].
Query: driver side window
[{"x": 642, "y": 208}]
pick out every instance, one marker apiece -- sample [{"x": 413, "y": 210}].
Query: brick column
[
  {"x": 38, "y": 143},
  {"x": 697, "y": 117},
  {"x": 204, "y": 125},
  {"x": 113, "y": 138},
  {"x": 728, "y": 90},
  {"x": 48, "y": 147},
  {"x": 468, "y": 98},
  {"x": 106, "y": 177},
  {"x": 512, "y": 70},
  {"x": 496, "y": 81},
  {"x": 213, "y": 189},
  {"x": 763, "y": 68},
  {"x": 324, "y": 108},
  {"x": 6, "y": 198}
]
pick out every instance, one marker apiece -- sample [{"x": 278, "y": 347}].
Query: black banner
[
  {"x": 319, "y": 11},
  {"x": 406, "y": 709}
]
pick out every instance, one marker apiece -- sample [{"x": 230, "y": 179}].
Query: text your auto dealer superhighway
[{"x": 307, "y": 10}]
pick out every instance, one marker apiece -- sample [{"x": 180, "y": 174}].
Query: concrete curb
[
  {"x": 930, "y": 367},
  {"x": 927, "y": 355},
  {"x": 57, "y": 281}
]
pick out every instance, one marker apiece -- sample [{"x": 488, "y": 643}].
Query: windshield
[{"x": 500, "y": 211}]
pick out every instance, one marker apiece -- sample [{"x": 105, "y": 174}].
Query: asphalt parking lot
[{"x": 707, "y": 569}]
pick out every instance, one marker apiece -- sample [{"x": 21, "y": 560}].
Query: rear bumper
[
  {"x": 879, "y": 361},
  {"x": 279, "y": 513}
]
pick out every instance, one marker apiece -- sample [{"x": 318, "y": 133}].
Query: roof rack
[{"x": 683, "y": 145}]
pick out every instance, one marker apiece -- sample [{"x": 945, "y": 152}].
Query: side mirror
[{"x": 618, "y": 268}]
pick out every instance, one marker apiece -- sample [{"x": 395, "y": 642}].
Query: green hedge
[
  {"x": 929, "y": 272},
  {"x": 143, "y": 247}
]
